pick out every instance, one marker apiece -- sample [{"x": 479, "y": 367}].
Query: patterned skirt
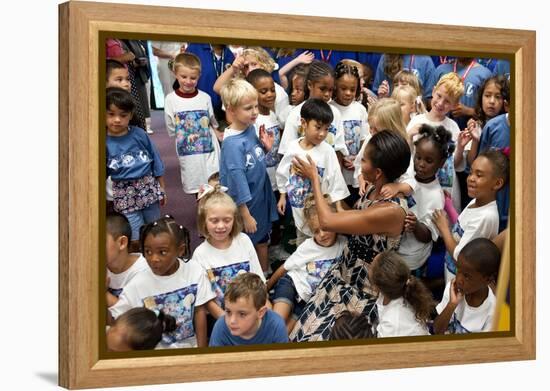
[{"x": 136, "y": 194}]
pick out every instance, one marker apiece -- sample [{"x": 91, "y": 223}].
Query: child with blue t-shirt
[
  {"x": 134, "y": 164},
  {"x": 243, "y": 165},
  {"x": 247, "y": 320}
]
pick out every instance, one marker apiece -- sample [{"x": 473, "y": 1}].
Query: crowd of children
[{"x": 394, "y": 187}]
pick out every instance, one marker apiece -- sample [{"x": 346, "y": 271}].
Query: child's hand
[
  {"x": 474, "y": 129},
  {"x": 414, "y": 131},
  {"x": 348, "y": 162},
  {"x": 389, "y": 190},
  {"x": 384, "y": 89},
  {"x": 410, "y": 222},
  {"x": 306, "y": 57},
  {"x": 455, "y": 294},
  {"x": 164, "y": 199},
  {"x": 281, "y": 204},
  {"x": 249, "y": 224},
  {"x": 267, "y": 139},
  {"x": 238, "y": 64},
  {"x": 371, "y": 99},
  {"x": 440, "y": 220},
  {"x": 464, "y": 138},
  {"x": 461, "y": 110}
]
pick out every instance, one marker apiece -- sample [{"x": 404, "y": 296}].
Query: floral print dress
[{"x": 346, "y": 285}]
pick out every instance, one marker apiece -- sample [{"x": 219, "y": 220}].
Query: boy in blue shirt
[{"x": 247, "y": 320}]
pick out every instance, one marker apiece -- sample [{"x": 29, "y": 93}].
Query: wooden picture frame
[{"x": 83, "y": 25}]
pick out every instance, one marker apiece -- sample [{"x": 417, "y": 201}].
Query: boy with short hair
[
  {"x": 247, "y": 320},
  {"x": 189, "y": 118},
  {"x": 117, "y": 75},
  {"x": 468, "y": 302},
  {"x": 122, "y": 266},
  {"x": 445, "y": 97}
]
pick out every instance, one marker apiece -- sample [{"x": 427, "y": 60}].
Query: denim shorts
[{"x": 285, "y": 292}]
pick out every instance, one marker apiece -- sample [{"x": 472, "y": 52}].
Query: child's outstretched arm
[
  {"x": 200, "y": 326},
  {"x": 228, "y": 74},
  {"x": 440, "y": 220},
  {"x": 390, "y": 190},
  {"x": 419, "y": 230},
  {"x": 281, "y": 271},
  {"x": 214, "y": 309},
  {"x": 442, "y": 320},
  {"x": 304, "y": 58}
]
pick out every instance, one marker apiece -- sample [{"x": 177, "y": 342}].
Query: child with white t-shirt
[
  {"x": 432, "y": 148},
  {"x": 316, "y": 118},
  {"x": 468, "y": 302},
  {"x": 178, "y": 288},
  {"x": 354, "y": 120},
  {"x": 296, "y": 280},
  {"x": 445, "y": 97},
  {"x": 189, "y": 116},
  {"x": 226, "y": 252},
  {"x": 404, "y": 304},
  {"x": 480, "y": 218},
  {"x": 122, "y": 266}
]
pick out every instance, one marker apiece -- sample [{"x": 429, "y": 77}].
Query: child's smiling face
[
  {"x": 266, "y": 94},
  {"x": 482, "y": 182}
]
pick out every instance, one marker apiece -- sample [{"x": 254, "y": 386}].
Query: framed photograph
[{"x": 83, "y": 29}]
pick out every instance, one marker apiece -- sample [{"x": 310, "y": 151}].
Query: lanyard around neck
[
  {"x": 215, "y": 61},
  {"x": 327, "y": 59},
  {"x": 467, "y": 70}
]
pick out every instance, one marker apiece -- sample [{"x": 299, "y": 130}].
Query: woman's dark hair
[
  {"x": 345, "y": 69},
  {"x": 392, "y": 277},
  {"x": 317, "y": 70},
  {"x": 316, "y": 109},
  {"x": 390, "y": 152},
  {"x": 257, "y": 74},
  {"x": 168, "y": 225},
  {"x": 145, "y": 327},
  {"x": 504, "y": 85},
  {"x": 393, "y": 63},
  {"x": 500, "y": 162},
  {"x": 351, "y": 325},
  {"x": 119, "y": 98},
  {"x": 440, "y": 137}
]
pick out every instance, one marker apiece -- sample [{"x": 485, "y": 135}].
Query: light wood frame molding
[{"x": 81, "y": 149}]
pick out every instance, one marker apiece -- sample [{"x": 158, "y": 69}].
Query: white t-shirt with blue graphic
[
  {"x": 117, "y": 281},
  {"x": 177, "y": 295},
  {"x": 222, "y": 266},
  {"x": 297, "y": 187},
  {"x": 310, "y": 262},
  {"x": 293, "y": 130},
  {"x": 356, "y": 129},
  {"x": 191, "y": 121},
  {"x": 427, "y": 198},
  {"x": 397, "y": 319},
  {"x": 472, "y": 223},
  {"x": 467, "y": 319},
  {"x": 270, "y": 123}
]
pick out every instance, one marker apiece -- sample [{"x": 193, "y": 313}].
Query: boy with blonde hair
[
  {"x": 445, "y": 97},
  {"x": 247, "y": 320},
  {"x": 243, "y": 167},
  {"x": 189, "y": 116}
]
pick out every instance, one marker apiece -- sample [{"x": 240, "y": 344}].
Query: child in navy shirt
[{"x": 247, "y": 320}]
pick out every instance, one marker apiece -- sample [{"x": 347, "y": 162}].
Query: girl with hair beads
[
  {"x": 133, "y": 163},
  {"x": 296, "y": 280},
  {"x": 432, "y": 148},
  {"x": 351, "y": 325},
  {"x": 404, "y": 304},
  {"x": 354, "y": 120},
  {"x": 319, "y": 85},
  {"x": 139, "y": 329},
  {"x": 480, "y": 218},
  {"x": 177, "y": 287},
  {"x": 227, "y": 251},
  {"x": 253, "y": 58},
  {"x": 373, "y": 227}
]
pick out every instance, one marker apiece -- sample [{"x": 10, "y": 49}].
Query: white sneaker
[{"x": 150, "y": 131}]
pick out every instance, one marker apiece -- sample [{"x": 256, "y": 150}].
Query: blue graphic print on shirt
[
  {"x": 221, "y": 276},
  {"x": 181, "y": 305},
  {"x": 455, "y": 327},
  {"x": 127, "y": 160},
  {"x": 193, "y": 133},
  {"x": 115, "y": 292},
  {"x": 316, "y": 270},
  {"x": 457, "y": 233},
  {"x": 352, "y": 135},
  {"x": 299, "y": 187},
  {"x": 446, "y": 173},
  {"x": 272, "y": 158}
]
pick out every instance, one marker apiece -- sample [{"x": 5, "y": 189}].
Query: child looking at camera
[
  {"x": 468, "y": 302},
  {"x": 247, "y": 320}
]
